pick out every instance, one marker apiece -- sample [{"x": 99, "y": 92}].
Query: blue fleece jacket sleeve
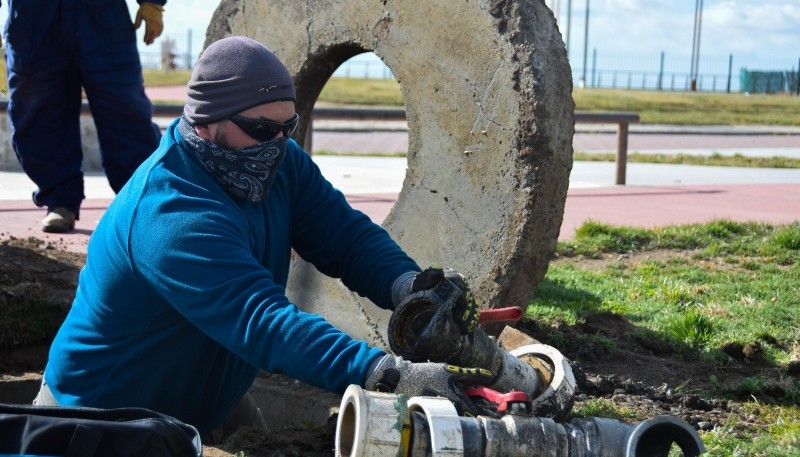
[{"x": 340, "y": 241}]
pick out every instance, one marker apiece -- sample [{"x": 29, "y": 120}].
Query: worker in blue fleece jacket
[
  {"x": 57, "y": 49},
  {"x": 182, "y": 299}
]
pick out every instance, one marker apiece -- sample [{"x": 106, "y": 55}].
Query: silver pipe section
[
  {"x": 436, "y": 430},
  {"x": 516, "y": 436}
]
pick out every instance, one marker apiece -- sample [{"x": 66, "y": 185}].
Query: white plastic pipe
[
  {"x": 372, "y": 424},
  {"x": 445, "y": 426}
]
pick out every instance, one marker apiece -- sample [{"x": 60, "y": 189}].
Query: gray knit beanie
[{"x": 232, "y": 75}]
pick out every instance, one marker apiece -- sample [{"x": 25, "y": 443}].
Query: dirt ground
[{"x": 646, "y": 376}]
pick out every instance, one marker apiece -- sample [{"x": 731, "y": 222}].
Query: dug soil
[{"x": 611, "y": 359}]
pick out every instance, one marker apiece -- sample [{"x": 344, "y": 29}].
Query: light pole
[
  {"x": 569, "y": 21},
  {"x": 698, "y": 25},
  {"x": 585, "y": 44}
]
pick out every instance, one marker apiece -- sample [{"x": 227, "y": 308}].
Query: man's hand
[
  {"x": 393, "y": 374},
  {"x": 153, "y": 23},
  {"x": 465, "y": 313}
]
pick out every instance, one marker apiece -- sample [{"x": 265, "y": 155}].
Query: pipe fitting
[
  {"x": 446, "y": 438},
  {"x": 557, "y": 397},
  {"x": 422, "y": 328},
  {"x": 372, "y": 424}
]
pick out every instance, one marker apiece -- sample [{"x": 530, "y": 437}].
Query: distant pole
[
  {"x": 585, "y": 43},
  {"x": 698, "y": 24},
  {"x": 798, "y": 77},
  {"x": 569, "y": 23},
  {"x": 694, "y": 40},
  {"x": 594, "y": 65},
  {"x": 661, "y": 72},
  {"x": 189, "y": 49},
  {"x": 730, "y": 71},
  {"x": 699, "y": 30}
]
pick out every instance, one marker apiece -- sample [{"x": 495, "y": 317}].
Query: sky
[
  {"x": 761, "y": 32},
  {"x": 629, "y": 33}
]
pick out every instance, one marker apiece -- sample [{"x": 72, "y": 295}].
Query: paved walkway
[{"x": 656, "y": 195}]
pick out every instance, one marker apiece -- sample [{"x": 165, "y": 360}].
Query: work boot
[{"x": 58, "y": 220}]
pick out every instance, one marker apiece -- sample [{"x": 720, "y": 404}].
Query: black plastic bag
[{"x": 58, "y": 431}]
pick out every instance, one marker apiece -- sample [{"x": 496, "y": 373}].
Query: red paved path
[{"x": 640, "y": 206}]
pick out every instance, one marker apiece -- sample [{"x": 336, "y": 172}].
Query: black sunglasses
[{"x": 265, "y": 130}]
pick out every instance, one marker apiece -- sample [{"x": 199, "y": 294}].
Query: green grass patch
[
  {"x": 692, "y": 328},
  {"x": 698, "y": 307},
  {"x": 601, "y": 407},
  {"x": 157, "y": 78},
  {"x": 24, "y": 322},
  {"x": 776, "y": 435},
  {"x": 729, "y": 272},
  {"x": 714, "y": 239},
  {"x": 659, "y": 107},
  {"x": 370, "y": 92},
  {"x": 325, "y": 152},
  {"x": 700, "y": 289},
  {"x": 715, "y": 159}
]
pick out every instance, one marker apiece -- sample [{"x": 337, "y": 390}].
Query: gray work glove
[
  {"x": 393, "y": 374},
  {"x": 465, "y": 313}
]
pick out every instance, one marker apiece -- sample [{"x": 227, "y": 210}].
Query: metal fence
[
  {"x": 605, "y": 70},
  {"x": 663, "y": 72}
]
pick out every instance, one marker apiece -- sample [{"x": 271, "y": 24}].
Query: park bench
[{"x": 621, "y": 119}]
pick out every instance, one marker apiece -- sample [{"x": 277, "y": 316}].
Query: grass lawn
[
  {"x": 654, "y": 107},
  {"x": 715, "y": 159},
  {"x": 703, "y": 290}
]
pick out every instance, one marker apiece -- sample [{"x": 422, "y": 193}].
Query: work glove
[
  {"x": 153, "y": 24},
  {"x": 396, "y": 375},
  {"x": 465, "y": 312}
]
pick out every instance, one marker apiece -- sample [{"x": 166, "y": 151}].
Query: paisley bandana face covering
[{"x": 246, "y": 173}]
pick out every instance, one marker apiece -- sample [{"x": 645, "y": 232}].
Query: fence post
[
  {"x": 661, "y": 71},
  {"x": 798, "y": 77},
  {"x": 189, "y": 49},
  {"x": 622, "y": 152},
  {"x": 594, "y": 64},
  {"x": 730, "y": 71}
]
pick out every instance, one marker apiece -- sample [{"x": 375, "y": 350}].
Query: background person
[
  {"x": 54, "y": 50},
  {"x": 182, "y": 298}
]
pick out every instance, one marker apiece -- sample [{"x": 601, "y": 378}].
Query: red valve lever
[
  {"x": 490, "y": 316},
  {"x": 501, "y": 400}
]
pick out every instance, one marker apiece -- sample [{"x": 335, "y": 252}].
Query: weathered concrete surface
[{"x": 487, "y": 90}]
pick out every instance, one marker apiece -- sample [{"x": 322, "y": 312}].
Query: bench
[{"x": 622, "y": 119}]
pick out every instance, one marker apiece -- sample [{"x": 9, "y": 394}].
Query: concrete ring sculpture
[{"x": 487, "y": 89}]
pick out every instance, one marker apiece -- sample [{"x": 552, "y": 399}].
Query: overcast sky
[{"x": 762, "y": 33}]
